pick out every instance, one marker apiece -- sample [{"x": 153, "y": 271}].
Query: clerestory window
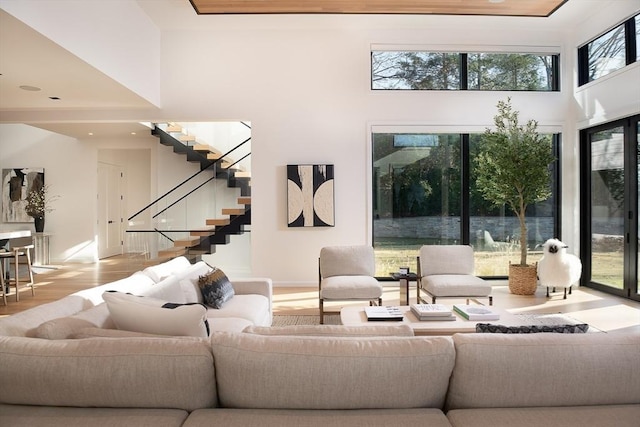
[{"x": 484, "y": 71}]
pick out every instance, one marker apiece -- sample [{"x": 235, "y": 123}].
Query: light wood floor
[{"x": 600, "y": 310}]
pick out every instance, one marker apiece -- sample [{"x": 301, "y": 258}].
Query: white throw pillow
[
  {"x": 154, "y": 316},
  {"x": 161, "y": 271}
]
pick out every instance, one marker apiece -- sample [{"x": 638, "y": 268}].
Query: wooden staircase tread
[
  {"x": 243, "y": 174},
  {"x": 186, "y": 242},
  {"x": 218, "y": 221},
  {"x": 186, "y": 138},
  {"x": 233, "y": 211},
  {"x": 203, "y": 231},
  {"x": 244, "y": 200},
  {"x": 205, "y": 147},
  {"x": 172, "y": 252}
]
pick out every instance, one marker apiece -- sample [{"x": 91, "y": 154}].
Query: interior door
[{"x": 110, "y": 217}]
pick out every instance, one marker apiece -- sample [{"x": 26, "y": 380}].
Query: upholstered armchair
[
  {"x": 448, "y": 271},
  {"x": 346, "y": 273}
]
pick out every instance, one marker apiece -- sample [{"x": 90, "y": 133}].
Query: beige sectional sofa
[
  {"x": 253, "y": 379},
  {"x": 66, "y": 364},
  {"x": 173, "y": 281}
]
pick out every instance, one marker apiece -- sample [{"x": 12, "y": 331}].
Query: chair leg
[
  {"x": 490, "y": 300},
  {"x": 32, "y": 283},
  {"x": 380, "y": 301},
  {"x": 565, "y": 294},
  {"x": 321, "y": 311},
  {"x": 4, "y": 289},
  {"x": 17, "y": 276}
]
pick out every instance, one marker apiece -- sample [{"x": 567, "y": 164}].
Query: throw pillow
[
  {"x": 216, "y": 288},
  {"x": 153, "y": 316},
  {"x": 61, "y": 328},
  {"x": 532, "y": 329}
]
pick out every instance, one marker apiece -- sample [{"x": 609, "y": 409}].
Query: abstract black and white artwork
[
  {"x": 16, "y": 184},
  {"x": 310, "y": 196}
]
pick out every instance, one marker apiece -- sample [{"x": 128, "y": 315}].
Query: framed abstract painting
[
  {"x": 16, "y": 184},
  {"x": 310, "y": 196}
]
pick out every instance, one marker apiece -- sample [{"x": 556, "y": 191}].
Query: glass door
[{"x": 610, "y": 235}]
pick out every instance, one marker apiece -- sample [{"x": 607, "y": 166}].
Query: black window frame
[
  {"x": 554, "y": 81},
  {"x": 630, "y": 40}
]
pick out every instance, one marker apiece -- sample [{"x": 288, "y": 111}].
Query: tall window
[
  {"x": 424, "y": 192},
  {"x": 609, "y": 52},
  {"x": 418, "y": 70}
]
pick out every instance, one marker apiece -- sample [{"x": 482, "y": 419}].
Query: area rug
[{"x": 293, "y": 320}]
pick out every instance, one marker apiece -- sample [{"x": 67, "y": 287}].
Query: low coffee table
[{"x": 355, "y": 316}]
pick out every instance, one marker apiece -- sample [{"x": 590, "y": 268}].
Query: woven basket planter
[{"x": 523, "y": 280}]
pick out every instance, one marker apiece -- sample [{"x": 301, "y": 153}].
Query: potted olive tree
[{"x": 513, "y": 170}]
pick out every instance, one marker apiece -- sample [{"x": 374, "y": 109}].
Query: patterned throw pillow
[
  {"x": 532, "y": 329},
  {"x": 216, "y": 288}
]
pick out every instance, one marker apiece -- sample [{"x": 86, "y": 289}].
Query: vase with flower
[{"x": 38, "y": 204}]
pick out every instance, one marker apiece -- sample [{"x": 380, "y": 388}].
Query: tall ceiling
[
  {"x": 29, "y": 58},
  {"x": 438, "y": 7}
]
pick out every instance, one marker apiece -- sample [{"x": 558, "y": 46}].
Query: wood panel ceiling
[{"x": 539, "y": 8}]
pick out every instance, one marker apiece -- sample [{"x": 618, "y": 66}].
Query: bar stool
[{"x": 18, "y": 248}]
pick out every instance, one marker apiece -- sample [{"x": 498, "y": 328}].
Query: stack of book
[
  {"x": 475, "y": 312},
  {"x": 432, "y": 312},
  {"x": 382, "y": 313}
]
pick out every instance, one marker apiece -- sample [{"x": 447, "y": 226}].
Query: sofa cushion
[
  {"x": 526, "y": 370},
  {"x": 154, "y": 316},
  {"x": 228, "y": 324},
  {"x": 255, "y": 371},
  {"x": 317, "y": 418},
  {"x": 161, "y": 271},
  {"x": 403, "y": 330},
  {"x": 254, "y": 308},
  {"x": 117, "y": 333},
  {"x": 63, "y": 327},
  {"x": 348, "y": 287},
  {"x": 216, "y": 288},
  {"x": 26, "y": 322},
  {"x": 94, "y": 417},
  {"x": 137, "y": 284},
  {"x": 570, "y": 416},
  {"x": 168, "y": 289},
  {"x": 456, "y": 285},
  {"x": 118, "y": 373}
]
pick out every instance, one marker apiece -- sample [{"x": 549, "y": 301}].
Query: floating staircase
[{"x": 214, "y": 231}]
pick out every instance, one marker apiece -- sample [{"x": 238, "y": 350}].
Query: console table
[{"x": 41, "y": 249}]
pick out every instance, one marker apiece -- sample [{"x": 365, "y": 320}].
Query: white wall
[{"x": 70, "y": 171}]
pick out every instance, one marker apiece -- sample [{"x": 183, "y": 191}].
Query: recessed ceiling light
[
  {"x": 496, "y": 1},
  {"x": 30, "y": 88},
  {"x": 133, "y": 133},
  {"x": 90, "y": 133}
]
